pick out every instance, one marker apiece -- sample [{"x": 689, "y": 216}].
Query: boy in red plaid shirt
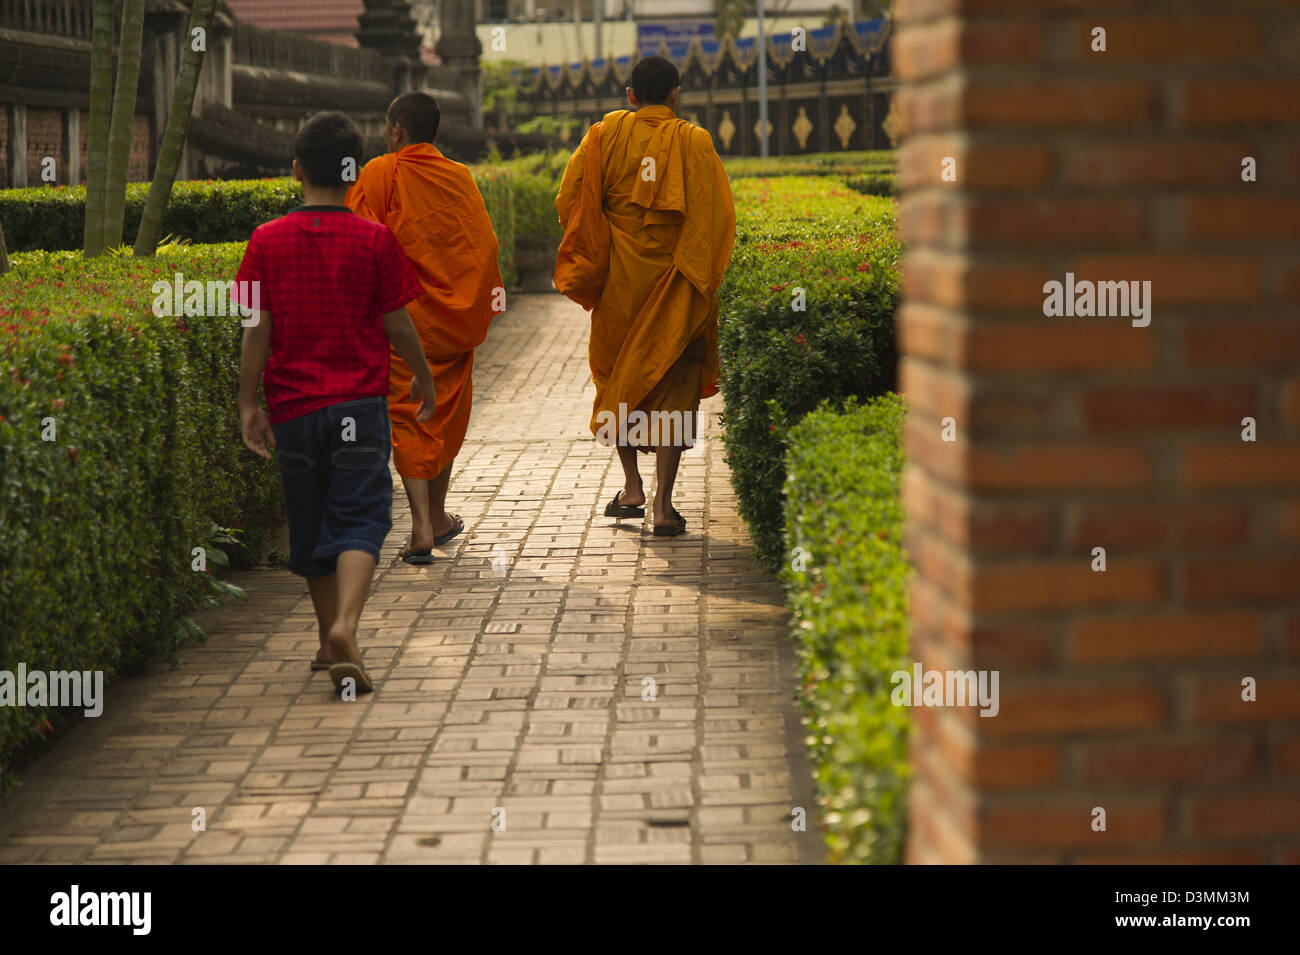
[{"x": 330, "y": 289}]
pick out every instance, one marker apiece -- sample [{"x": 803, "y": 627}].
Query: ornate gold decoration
[
  {"x": 758, "y": 134},
  {"x": 726, "y": 130},
  {"x": 844, "y": 126},
  {"x": 802, "y": 128}
]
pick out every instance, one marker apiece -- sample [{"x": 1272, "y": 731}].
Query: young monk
[
  {"x": 434, "y": 208},
  {"x": 329, "y": 289},
  {"x": 654, "y": 332}
]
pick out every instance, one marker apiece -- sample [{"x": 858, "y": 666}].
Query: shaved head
[
  {"x": 418, "y": 114},
  {"x": 653, "y": 79}
]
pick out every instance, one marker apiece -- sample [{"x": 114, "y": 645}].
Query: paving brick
[{"x": 516, "y": 688}]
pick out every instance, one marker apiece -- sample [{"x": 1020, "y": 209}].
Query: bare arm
[
  {"x": 406, "y": 342},
  {"x": 256, "y": 351}
]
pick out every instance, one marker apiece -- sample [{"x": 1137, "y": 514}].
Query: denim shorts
[{"x": 338, "y": 491}]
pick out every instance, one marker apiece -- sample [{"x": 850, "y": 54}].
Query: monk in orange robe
[
  {"x": 433, "y": 207},
  {"x": 654, "y": 330}
]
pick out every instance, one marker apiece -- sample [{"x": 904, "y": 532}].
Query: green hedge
[
  {"x": 846, "y": 589},
  {"x": 53, "y": 217},
  {"x": 535, "y": 214},
  {"x": 497, "y": 187},
  {"x": 855, "y": 163},
  {"x": 97, "y": 525},
  {"x": 779, "y": 362},
  {"x": 874, "y": 184}
]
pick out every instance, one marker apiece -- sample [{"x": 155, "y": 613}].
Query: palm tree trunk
[
  {"x": 121, "y": 133},
  {"x": 178, "y": 122},
  {"x": 101, "y": 106}
]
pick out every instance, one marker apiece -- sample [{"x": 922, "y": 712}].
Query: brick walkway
[{"x": 508, "y": 723}]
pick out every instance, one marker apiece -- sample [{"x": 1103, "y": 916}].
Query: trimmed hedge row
[
  {"x": 497, "y": 188},
  {"x": 53, "y": 217},
  {"x": 806, "y": 314},
  {"x": 846, "y": 589},
  {"x": 119, "y": 449},
  {"x": 874, "y": 184},
  {"x": 813, "y": 164},
  {"x": 535, "y": 214}
]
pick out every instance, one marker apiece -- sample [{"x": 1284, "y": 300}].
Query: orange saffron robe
[
  {"x": 433, "y": 207},
  {"x": 654, "y": 333}
]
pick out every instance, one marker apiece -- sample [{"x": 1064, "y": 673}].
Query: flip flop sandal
[
  {"x": 456, "y": 529},
  {"x": 671, "y": 530},
  {"x": 615, "y": 509},
  {"x": 318, "y": 665},
  {"x": 419, "y": 556},
  {"x": 341, "y": 671}
]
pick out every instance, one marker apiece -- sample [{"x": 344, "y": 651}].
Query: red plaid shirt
[{"x": 326, "y": 275}]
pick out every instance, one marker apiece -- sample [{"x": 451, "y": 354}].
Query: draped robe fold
[
  {"x": 654, "y": 332},
  {"x": 433, "y": 207}
]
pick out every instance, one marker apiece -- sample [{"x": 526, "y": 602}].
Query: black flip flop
[
  {"x": 672, "y": 530},
  {"x": 416, "y": 556},
  {"x": 318, "y": 665},
  {"x": 615, "y": 509},
  {"x": 456, "y": 529}
]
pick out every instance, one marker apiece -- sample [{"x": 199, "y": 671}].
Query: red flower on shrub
[
  {"x": 73, "y": 454},
  {"x": 58, "y": 404},
  {"x": 180, "y": 325}
]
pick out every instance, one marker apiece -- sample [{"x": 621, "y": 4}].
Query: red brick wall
[
  {"x": 45, "y": 138},
  {"x": 1119, "y": 689}
]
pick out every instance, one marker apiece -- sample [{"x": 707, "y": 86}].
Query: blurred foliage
[{"x": 846, "y": 580}]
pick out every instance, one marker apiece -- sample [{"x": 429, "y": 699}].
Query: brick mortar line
[
  {"x": 620, "y": 671},
  {"x": 439, "y": 733},
  {"x": 380, "y": 576},
  {"x": 702, "y": 656},
  {"x": 511, "y": 765}
]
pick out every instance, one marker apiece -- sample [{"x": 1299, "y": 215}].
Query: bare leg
[
  {"x": 355, "y": 570},
  {"x": 633, "y": 495},
  {"x": 417, "y": 493},
  {"x": 325, "y": 600},
  {"x": 667, "y": 458},
  {"x": 441, "y": 521}
]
